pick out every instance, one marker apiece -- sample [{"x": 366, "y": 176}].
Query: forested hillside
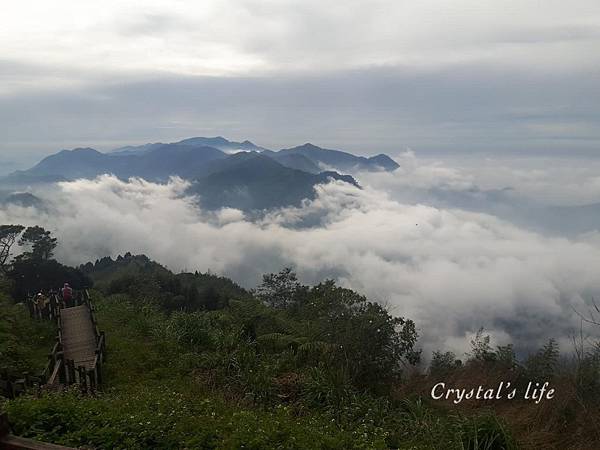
[{"x": 195, "y": 361}]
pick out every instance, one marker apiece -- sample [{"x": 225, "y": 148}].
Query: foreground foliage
[
  {"x": 253, "y": 375},
  {"x": 24, "y": 342}
]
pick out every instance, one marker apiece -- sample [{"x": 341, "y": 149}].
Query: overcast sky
[{"x": 503, "y": 76}]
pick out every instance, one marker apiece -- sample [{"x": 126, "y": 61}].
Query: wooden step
[{"x": 78, "y": 336}]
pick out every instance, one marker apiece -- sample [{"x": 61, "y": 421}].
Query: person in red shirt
[{"x": 67, "y": 295}]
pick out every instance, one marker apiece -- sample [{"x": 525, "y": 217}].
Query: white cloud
[
  {"x": 450, "y": 270},
  {"x": 224, "y": 37},
  {"x": 541, "y": 180}
]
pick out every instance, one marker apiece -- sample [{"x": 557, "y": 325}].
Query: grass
[
  {"x": 156, "y": 396},
  {"x": 24, "y": 342}
]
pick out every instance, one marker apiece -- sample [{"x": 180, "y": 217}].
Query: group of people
[{"x": 43, "y": 303}]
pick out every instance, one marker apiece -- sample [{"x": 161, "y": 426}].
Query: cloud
[
  {"x": 551, "y": 195},
  {"x": 375, "y": 76},
  {"x": 450, "y": 270},
  {"x": 463, "y": 110},
  {"x": 240, "y": 36}
]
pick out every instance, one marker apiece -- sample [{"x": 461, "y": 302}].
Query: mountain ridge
[{"x": 250, "y": 178}]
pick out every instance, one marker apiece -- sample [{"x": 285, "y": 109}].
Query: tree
[
  {"x": 211, "y": 300},
  {"x": 8, "y": 237},
  {"x": 279, "y": 290},
  {"x": 505, "y": 356},
  {"x": 32, "y": 275},
  {"x": 481, "y": 350},
  {"x": 372, "y": 345},
  {"x": 41, "y": 241}
]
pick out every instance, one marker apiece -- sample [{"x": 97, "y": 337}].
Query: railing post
[
  {"x": 103, "y": 346},
  {"x": 99, "y": 370},
  {"x": 70, "y": 372},
  {"x": 82, "y": 379},
  {"x": 92, "y": 376},
  {"x": 62, "y": 374},
  {"x": 4, "y": 425}
]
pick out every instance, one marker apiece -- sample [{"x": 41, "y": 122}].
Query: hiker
[
  {"x": 67, "y": 295},
  {"x": 41, "y": 305}
]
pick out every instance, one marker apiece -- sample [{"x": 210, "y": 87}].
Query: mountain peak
[
  {"x": 82, "y": 150},
  {"x": 344, "y": 161},
  {"x": 309, "y": 146},
  {"x": 384, "y": 161}
]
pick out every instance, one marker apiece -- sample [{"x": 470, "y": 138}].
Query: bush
[
  {"x": 24, "y": 342},
  {"x": 484, "y": 432},
  {"x": 541, "y": 366},
  {"x": 442, "y": 364}
]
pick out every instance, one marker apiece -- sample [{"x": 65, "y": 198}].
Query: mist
[{"x": 450, "y": 269}]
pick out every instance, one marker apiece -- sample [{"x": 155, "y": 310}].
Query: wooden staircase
[
  {"x": 78, "y": 336},
  {"x": 81, "y": 348},
  {"x": 77, "y": 356}
]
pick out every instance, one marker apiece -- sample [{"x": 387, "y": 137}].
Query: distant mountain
[
  {"x": 294, "y": 161},
  {"x": 339, "y": 160},
  {"x": 24, "y": 199},
  {"x": 22, "y": 179},
  {"x": 219, "y": 142},
  {"x": 251, "y": 181},
  {"x": 563, "y": 220},
  {"x": 223, "y": 144},
  {"x": 136, "y": 149},
  {"x": 307, "y": 157},
  {"x": 190, "y": 158},
  {"x": 560, "y": 220},
  {"x": 251, "y": 178},
  {"x": 186, "y": 161},
  {"x": 69, "y": 164},
  {"x": 157, "y": 163}
]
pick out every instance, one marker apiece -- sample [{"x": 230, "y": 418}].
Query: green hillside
[{"x": 195, "y": 361}]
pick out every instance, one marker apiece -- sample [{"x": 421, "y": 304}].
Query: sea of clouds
[{"x": 400, "y": 240}]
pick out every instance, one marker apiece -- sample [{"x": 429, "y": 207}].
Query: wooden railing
[
  {"x": 11, "y": 386},
  {"x": 59, "y": 371}
]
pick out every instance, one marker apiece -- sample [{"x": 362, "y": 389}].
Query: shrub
[
  {"x": 485, "y": 432},
  {"x": 587, "y": 377},
  {"x": 442, "y": 364},
  {"x": 541, "y": 365}
]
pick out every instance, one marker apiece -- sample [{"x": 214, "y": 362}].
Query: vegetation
[
  {"x": 34, "y": 270},
  {"x": 197, "y": 380},
  {"x": 195, "y": 361},
  {"x": 24, "y": 342},
  {"x": 8, "y": 237}
]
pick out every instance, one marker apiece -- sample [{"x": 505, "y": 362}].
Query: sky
[{"x": 511, "y": 77}]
